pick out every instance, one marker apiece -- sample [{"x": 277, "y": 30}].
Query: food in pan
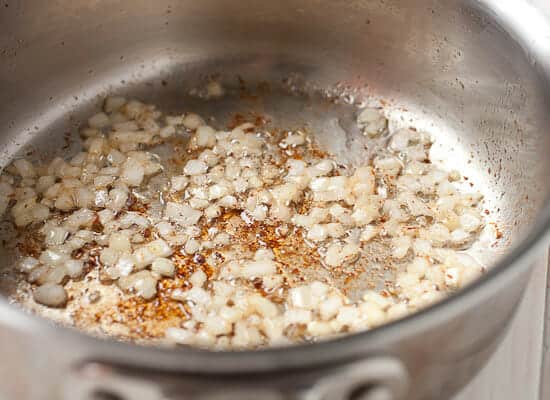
[{"x": 170, "y": 229}]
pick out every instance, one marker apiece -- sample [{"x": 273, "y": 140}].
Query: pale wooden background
[{"x": 517, "y": 369}]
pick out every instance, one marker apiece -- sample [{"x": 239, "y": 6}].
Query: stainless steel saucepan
[{"x": 474, "y": 73}]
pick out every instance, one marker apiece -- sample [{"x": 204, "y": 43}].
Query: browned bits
[
  {"x": 239, "y": 238},
  {"x": 31, "y": 243},
  {"x": 135, "y": 205},
  {"x": 96, "y": 225}
]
